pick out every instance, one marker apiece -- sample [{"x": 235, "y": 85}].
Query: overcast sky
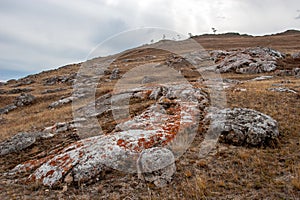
[{"x": 36, "y": 35}]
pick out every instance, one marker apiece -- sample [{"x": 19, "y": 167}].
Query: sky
[{"x": 37, "y": 35}]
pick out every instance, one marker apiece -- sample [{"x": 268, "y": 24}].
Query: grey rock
[
  {"x": 7, "y": 109},
  {"x": 249, "y": 60},
  {"x": 66, "y": 100},
  {"x": 24, "y": 100},
  {"x": 284, "y": 72},
  {"x": 19, "y": 90},
  {"x": 17, "y": 143},
  {"x": 282, "y": 89},
  {"x": 296, "y": 72},
  {"x": 53, "y": 90},
  {"x": 24, "y": 82},
  {"x": 262, "y": 78},
  {"x": 60, "y": 79},
  {"x": 293, "y": 72},
  {"x": 219, "y": 83},
  {"x": 244, "y": 127},
  {"x": 156, "y": 165},
  {"x": 22, "y": 141},
  {"x": 156, "y": 93},
  {"x": 296, "y": 55},
  {"x": 129, "y": 60},
  {"x": 61, "y": 102},
  {"x": 115, "y": 74}
]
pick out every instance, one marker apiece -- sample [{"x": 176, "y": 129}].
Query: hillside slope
[{"x": 229, "y": 172}]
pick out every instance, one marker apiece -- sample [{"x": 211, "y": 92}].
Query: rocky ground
[{"x": 229, "y": 136}]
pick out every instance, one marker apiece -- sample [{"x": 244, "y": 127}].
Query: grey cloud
[{"x": 36, "y": 35}]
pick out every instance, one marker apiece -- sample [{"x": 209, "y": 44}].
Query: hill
[{"x": 50, "y": 129}]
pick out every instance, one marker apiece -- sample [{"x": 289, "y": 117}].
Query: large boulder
[
  {"x": 246, "y": 61},
  {"x": 244, "y": 127}
]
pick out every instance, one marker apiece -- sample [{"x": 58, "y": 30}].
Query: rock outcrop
[
  {"x": 244, "y": 127},
  {"x": 132, "y": 145},
  {"x": 246, "y": 61}
]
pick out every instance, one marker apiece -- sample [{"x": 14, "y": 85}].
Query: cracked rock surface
[
  {"x": 244, "y": 127},
  {"x": 246, "y": 61}
]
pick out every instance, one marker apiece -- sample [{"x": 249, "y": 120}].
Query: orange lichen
[{"x": 50, "y": 173}]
